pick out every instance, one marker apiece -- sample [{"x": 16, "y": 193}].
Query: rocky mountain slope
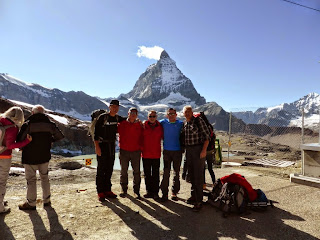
[
  {"x": 77, "y": 104},
  {"x": 76, "y": 139},
  {"x": 286, "y": 114}
]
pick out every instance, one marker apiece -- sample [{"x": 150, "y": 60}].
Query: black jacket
[
  {"x": 43, "y": 132},
  {"x": 106, "y": 127}
]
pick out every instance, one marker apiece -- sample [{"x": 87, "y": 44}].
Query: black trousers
[
  {"x": 210, "y": 158},
  {"x": 151, "y": 168},
  {"x": 105, "y": 167},
  {"x": 195, "y": 169}
]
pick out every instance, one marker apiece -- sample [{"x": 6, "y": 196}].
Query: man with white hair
[
  {"x": 196, "y": 139},
  {"x": 36, "y": 156}
]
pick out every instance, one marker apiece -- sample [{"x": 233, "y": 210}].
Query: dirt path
[{"x": 77, "y": 214}]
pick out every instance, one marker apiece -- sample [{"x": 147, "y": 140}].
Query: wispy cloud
[{"x": 150, "y": 52}]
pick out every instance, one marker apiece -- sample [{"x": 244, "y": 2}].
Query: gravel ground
[{"x": 77, "y": 214}]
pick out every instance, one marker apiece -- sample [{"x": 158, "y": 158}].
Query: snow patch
[
  {"x": 22, "y": 103},
  {"x": 59, "y": 119},
  {"x": 311, "y": 121},
  {"x": 75, "y": 114},
  {"x": 278, "y": 107}
]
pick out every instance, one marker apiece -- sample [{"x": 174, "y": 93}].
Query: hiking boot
[
  {"x": 26, "y": 206},
  {"x": 197, "y": 207},
  {"x": 123, "y": 194},
  {"x": 137, "y": 196},
  {"x": 191, "y": 200},
  {"x": 110, "y": 194},
  {"x": 101, "y": 197},
  {"x": 164, "y": 198},
  {"x": 148, "y": 195},
  {"x": 5, "y": 210},
  {"x": 174, "y": 197},
  {"x": 47, "y": 204},
  {"x": 204, "y": 187},
  {"x": 156, "y": 196}
]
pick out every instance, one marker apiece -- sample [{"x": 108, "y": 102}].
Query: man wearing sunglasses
[
  {"x": 171, "y": 153},
  {"x": 151, "y": 153}
]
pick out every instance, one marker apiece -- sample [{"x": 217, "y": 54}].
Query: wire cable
[{"x": 302, "y": 5}]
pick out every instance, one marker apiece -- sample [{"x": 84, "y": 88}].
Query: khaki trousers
[
  {"x": 31, "y": 177},
  {"x": 5, "y": 165}
]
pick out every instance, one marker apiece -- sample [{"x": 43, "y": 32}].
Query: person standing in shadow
[{"x": 151, "y": 153}]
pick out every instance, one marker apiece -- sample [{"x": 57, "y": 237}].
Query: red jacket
[
  {"x": 152, "y": 140},
  {"x": 236, "y": 178},
  {"x": 10, "y": 136},
  {"x": 130, "y": 136}
]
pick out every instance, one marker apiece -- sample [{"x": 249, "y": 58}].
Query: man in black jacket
[
  {"x": 36, "y": 156},
  {"x": 104, "y": 140}
]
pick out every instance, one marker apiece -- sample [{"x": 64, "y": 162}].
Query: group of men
[{"x": 138, "y": 139}]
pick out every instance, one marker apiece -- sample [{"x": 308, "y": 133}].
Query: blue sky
[{"x": 240, "y": 54}]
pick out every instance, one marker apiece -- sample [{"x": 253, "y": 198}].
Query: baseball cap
[{"x": 114, "y": 102}]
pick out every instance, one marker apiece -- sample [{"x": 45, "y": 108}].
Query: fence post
[
  {"x": 319, "y": 125},
  {"x": 229, "y": 142},
  {"x": 302, "y": 141},
  {"x": 302, "y": 127}
]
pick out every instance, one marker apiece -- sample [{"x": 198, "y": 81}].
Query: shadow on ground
[{"x": 176, "y": 220}]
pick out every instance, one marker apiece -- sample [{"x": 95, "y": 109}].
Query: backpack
[
  {"x": 229, "y": 198},
  {"x": 94, "y": 117},
  {"x": 212, "y": 141},
  {"x": 2, "y": 134}
]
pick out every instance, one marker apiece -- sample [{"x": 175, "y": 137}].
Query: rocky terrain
[
  {"x": 77, "y": 214},
  {"x": 75, "y": 131}
]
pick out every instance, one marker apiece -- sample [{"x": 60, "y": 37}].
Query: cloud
[{"x": 150, "y": 52}]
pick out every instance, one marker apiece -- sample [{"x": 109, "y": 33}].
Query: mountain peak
[
  {"x": 164, "y": 81},
  {"x": 312, "y": 95},
  {"x": 164, "y": 54}
]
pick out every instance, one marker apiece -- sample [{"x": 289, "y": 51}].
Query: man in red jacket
[
  {"x": 130, "y": 143},
  {"x": 151, "y": 153}
]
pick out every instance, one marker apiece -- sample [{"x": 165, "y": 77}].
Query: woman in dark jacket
[{"x": 11, "y": 120}]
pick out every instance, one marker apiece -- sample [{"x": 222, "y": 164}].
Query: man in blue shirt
[{"x": 171, "y": 153}]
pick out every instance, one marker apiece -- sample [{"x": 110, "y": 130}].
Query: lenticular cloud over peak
[{"x": 150, "y": 52}]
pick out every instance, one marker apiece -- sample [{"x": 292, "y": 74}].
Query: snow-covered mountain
[
  {"x": 164, "y": 84},
  {"x": 76, "y": 104},
  {"x": 161, "y": 86},
  {"x": 286, "y": 114}
]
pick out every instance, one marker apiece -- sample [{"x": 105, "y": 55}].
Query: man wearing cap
[
  {"x": 104, "y": 141},
  {"x": 130, "y": 143}
]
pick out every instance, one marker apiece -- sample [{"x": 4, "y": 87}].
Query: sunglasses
[
  {"x": 151, "y": 116},
  {"x": 171, "y": 114}
]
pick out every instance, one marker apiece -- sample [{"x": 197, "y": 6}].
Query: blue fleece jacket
[{"x": 171, "y": 136}]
